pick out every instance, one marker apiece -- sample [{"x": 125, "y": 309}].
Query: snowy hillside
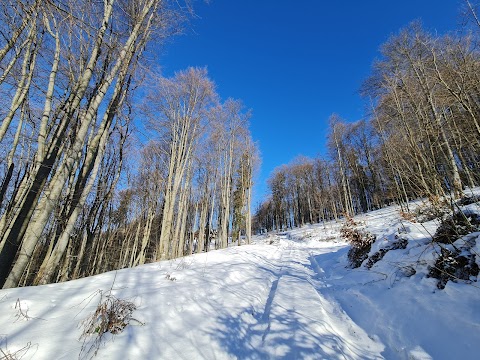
[{"x": 288, "y": 296}]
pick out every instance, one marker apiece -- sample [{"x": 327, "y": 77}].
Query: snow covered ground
[{"x": 287, "y": 296}]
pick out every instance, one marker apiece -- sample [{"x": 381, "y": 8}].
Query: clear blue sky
[{"x": 295, "y": 62}]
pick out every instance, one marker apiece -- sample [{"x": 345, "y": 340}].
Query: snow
[{"x": 287, "y": 296}]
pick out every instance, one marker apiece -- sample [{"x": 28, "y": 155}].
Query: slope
[{"x": 288, "y": 296}]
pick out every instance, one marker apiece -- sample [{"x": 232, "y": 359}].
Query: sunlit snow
[{"x": 287, "y": 296}]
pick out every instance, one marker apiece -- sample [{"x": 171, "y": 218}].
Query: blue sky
[{"x": 295, "y": 62}]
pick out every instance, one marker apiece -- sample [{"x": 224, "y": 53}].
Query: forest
[
  {"x": 69, "y": 205},
  {"x": 419, "y": 138},
  {"x": 79, "y": 196}
]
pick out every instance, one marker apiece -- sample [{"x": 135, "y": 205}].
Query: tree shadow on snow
[{"x": 283, "y": 336}]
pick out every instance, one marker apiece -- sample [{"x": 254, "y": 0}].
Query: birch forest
[{"x": 73, "y": 90}]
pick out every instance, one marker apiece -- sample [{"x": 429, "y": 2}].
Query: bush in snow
[
  {"x": 360, "y": 240},
  {"x": 454, "y": 265},
  {"x": 429, "y": 212},
  {"x": 400, "y": 243},
  {"x": 456, "y": 226},
  {"x": 112, "y": 315}
]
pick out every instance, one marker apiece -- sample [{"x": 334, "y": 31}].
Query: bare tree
[
  {"x": 177, "y": 111},
  {"x": 89, "y": 59}
]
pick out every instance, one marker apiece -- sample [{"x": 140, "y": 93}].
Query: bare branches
[
  {"x": 421, "y": 138},
  {"x": 473, "y": 12},
  {"x": 6, "y": 354},
  {"x": 68, "y": 69}
]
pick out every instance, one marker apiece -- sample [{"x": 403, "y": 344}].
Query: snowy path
[
  {"x": 298, "y": 322},
  {"x": 261, "y": 301}
]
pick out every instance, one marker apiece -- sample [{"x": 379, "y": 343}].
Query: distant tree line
[
  {"x": 420, "y": 138},
  {"x": 68, "y": 71}
]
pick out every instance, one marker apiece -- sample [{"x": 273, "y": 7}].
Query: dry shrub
[
  {"x": 112, "y": 315},
  {"x": 408, "y": 216},
  {"x": 22, "y": 313},
  {"x": 6, "y": 354},
  {"x": 360, "y": 240},
  {"x": 454, "y": 265},
  {"x": 428, "y": 212},
  {"x": 456, "y": 226},
  {"x": 400, "y": 243}
]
